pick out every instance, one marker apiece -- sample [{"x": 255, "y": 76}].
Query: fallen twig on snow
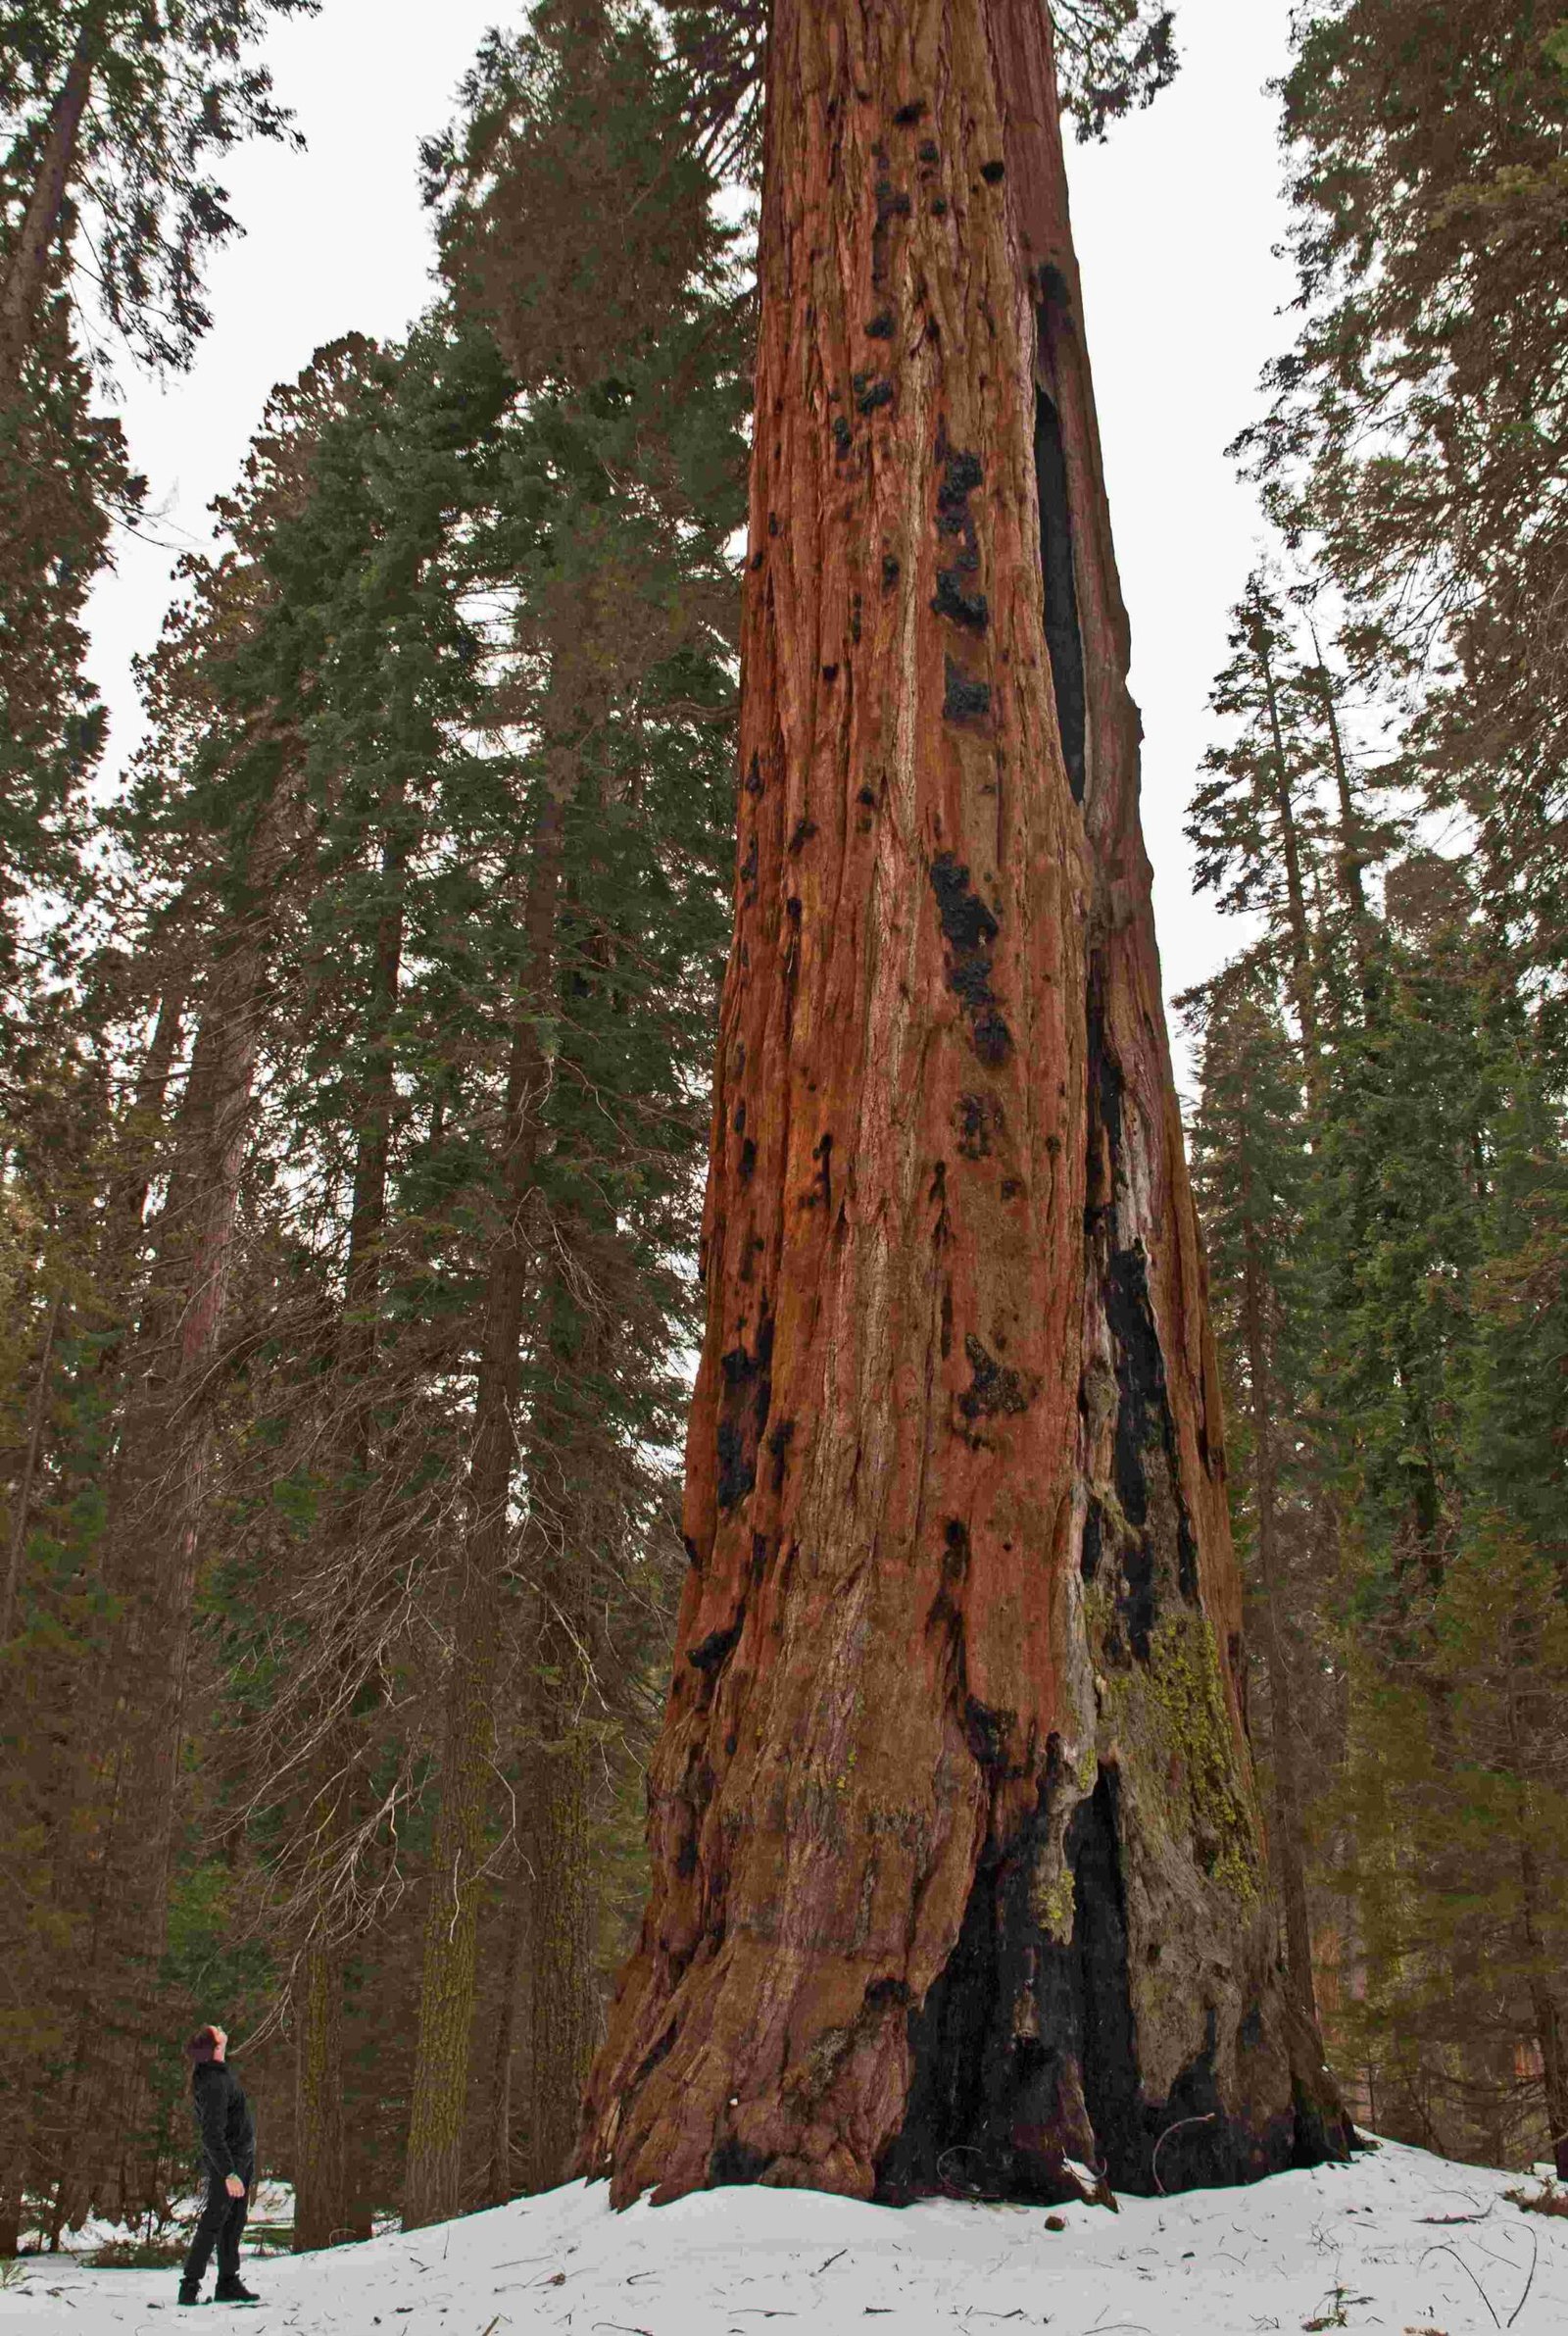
[{"x": 1441, "y": 2247}]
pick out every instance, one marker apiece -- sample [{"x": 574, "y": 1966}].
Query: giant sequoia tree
[{"x": 958, "y": 1869}]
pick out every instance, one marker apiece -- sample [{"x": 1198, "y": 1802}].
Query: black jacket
[{"x": 223, "y": 2120}]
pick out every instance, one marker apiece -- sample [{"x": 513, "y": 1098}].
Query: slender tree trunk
[
  {"x": 1288, "y": 1831},
  {"x": 1544, "y": 2004},
  {"x": 166, "y": 1438},
  {"x": 321, "y": 2208},
  {"x": 509, "y": 2021},
  {"x": 22, "y": 288},
  {"x": 11, "y": 2197},
  {"x": 321, "y": 2190},
  {"x": 1303, "y": 983},
  {"x": 563, "y": 2002},
  {"x": 555, "y": 1792},
  {"x": 149, "y": 1104},
  {"x": 432, "y": 2180},
  {"x": 39, "y": 1413},
  {"x": 1348, "y": 859},
  {"x": 1554, "y": 2072},
  {"x": 956, "y": 1860}
]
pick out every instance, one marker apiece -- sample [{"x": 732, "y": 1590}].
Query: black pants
[{"x": 222, "y": 2222}]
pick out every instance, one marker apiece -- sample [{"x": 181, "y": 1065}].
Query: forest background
[{"x": 353, "y": 1085}]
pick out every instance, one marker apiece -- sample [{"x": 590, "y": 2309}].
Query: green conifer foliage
[
  {"x": 111, "y": 113},
  {"x": 62, "y": 477},
  {"x": 1418, "y": 421},
  {"x": 1252, "y": 1174}
]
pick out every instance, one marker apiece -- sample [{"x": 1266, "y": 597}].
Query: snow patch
[{"x": 1398, "y": 2241}]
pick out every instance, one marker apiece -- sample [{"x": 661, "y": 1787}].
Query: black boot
[
  {"x": 190, "y": 2291},
  {"x": 234, "y": 2291}
]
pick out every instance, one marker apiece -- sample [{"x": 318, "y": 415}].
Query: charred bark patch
[
  {"x": 1065, "y": 639},
  {"x": 946, "y": 1612},
  {"x": 778, "y": 1446},
  {"x": 881, "y": 326},
  {"x": 892, "y": 203},
  {"x": 1101, "y": 1986},
  {"x": 652, "y": 2060},
  {"x": 870, "y": 391},
  {"x": 1150, "y": 1526},
  {"x": 968, "y": 926},
  {"x": 747, "y": 1394},
  {"x": 1147, "y": 1462},
  {"x": 887, "y": 1991},
  {"x": 843, "y": 436},
  {"x": 1094, "y": 1541},
  {"x": 994, "y": 1390},
  {"x": 822, "y": 1154},
  {"x": 963, "y": 699},
  {"x": 961, "y": 475},
  {"x": 979, "y": 1125},
  {"x": 986, "y": 1732},
  {"x": 969, "y": 930},
  {"x": 736, "y": 1474},
  {"x": 1024, "y": 2049},
  {"x": 950, "y": 600},
  {"x": 711, "y": 1653},
  {"x": 735, "y": 2162},
  {"x": 1198, "y": 2144}
]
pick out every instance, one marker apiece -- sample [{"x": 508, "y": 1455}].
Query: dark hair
[{"x": 200, "y": 2046}]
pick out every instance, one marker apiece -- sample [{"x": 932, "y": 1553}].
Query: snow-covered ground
[{"x": 1398, "y": 2241}]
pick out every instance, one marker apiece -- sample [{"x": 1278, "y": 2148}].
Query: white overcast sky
[{"x": 1177, "y": 219}]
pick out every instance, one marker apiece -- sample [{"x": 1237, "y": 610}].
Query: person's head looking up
[{"x": 208, "y": 2044}]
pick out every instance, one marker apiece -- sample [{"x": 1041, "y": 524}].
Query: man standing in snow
[{"x": 227, "y": 2135}]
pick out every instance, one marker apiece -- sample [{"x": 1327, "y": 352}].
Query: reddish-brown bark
[{"x": 957, "y": 1872}]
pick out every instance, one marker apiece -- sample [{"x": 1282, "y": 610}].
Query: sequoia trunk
[
  {"x": 957, "y": 1867},
  {"x": 28, "y": 271}
]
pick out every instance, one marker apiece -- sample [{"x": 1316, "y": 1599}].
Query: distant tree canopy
[
  {"x": 1386, "y": 803},
  {"x": 111, "y": 113}
]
